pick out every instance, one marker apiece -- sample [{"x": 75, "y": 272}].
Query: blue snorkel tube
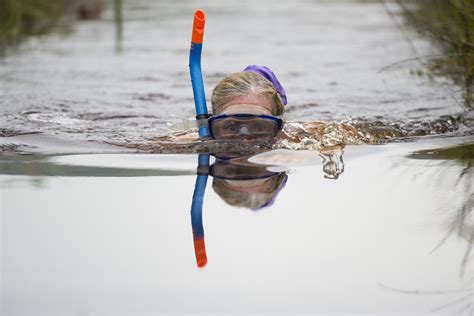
[
  {"x": 201, "y": 117},
  {"x": 196, "y": 73}
]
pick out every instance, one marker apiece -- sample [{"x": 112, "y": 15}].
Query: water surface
[
  {"x": 91, "y": 85},
  {"x": 112, "y": 233},
  {"x": 88, "y": 227}
]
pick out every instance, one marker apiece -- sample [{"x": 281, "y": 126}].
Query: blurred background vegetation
[
  {"x": 450, "y": 24},
  {"x": 22, "y": 18}
]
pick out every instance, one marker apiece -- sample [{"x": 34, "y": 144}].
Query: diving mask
[{"x": 228, "y": 126}]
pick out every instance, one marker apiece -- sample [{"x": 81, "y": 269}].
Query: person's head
[
  {"x": 248, "y": 104},
  {"x": 246, "y": 92}
]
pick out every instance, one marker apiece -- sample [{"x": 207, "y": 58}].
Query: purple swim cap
[{"x": 268, "y": 74}]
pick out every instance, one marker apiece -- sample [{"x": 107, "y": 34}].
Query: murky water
[
  {"x": 92, "y": 85},
  {"x": 89, "y": 227}
]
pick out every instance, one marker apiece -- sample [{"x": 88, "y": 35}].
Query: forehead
[
  {"x": 253, "y": 104},
  {"x": 245, "y": 108}
]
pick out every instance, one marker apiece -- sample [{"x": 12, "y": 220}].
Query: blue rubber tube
[
  {"x": 196, "y": 209},
  {"x": 198, "y": 89}
]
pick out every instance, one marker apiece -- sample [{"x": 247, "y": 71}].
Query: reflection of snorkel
[
  {"x": 201, "y": 117},
  {"x": 196, "y": 210}
]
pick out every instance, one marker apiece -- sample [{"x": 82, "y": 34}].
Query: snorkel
[
  {"x": 196, "y": 73},
  {"x": 201, "y": 117}
]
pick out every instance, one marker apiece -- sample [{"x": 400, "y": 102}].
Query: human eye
[
  {"x": 262, "y": 127},
  {"x": 230, "y": 127}
]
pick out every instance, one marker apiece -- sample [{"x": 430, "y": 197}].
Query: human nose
[{"x": 244, "y": 131}]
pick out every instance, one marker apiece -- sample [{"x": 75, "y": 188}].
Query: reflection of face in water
[{"x": 243, "y": 184}]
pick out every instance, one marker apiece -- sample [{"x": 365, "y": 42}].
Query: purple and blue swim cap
[{"x": 268, "y": 74}]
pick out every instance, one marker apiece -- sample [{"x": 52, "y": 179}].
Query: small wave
[
  {"x": 139, "y": 132},
  {"x": 302, "y": 136}
]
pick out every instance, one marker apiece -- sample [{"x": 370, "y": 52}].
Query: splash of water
[{"x": 302, "y": 136}]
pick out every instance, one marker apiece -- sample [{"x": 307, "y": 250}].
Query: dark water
[
  {"x": 92, "y": 85},
  {"x": 334, "y": 226}
]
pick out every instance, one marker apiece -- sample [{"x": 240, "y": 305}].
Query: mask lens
[
  {"x": 263, "y": 127},
  {"x": 234, "y": 127},
  {"x": 225, "y": 128}
]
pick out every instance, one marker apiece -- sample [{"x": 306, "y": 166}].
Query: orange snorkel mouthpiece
[{"x": 198, "y": 27}]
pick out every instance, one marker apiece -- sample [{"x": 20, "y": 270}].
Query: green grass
[
  {"x": 449, "y": 23},
  {"x": 21, "y": 18}
]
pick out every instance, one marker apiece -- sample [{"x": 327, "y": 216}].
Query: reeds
[
  {"x": 450, "y": 23},
  {"x": 19, "y": 18},
  {"x": 22, "y": 18}
]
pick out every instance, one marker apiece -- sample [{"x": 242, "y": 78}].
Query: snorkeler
[{"x": 247, "y": 105}]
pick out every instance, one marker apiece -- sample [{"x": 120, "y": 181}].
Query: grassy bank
[
  {"x": 449, "y": 23},
  {"x": 22, "y": 18}
]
